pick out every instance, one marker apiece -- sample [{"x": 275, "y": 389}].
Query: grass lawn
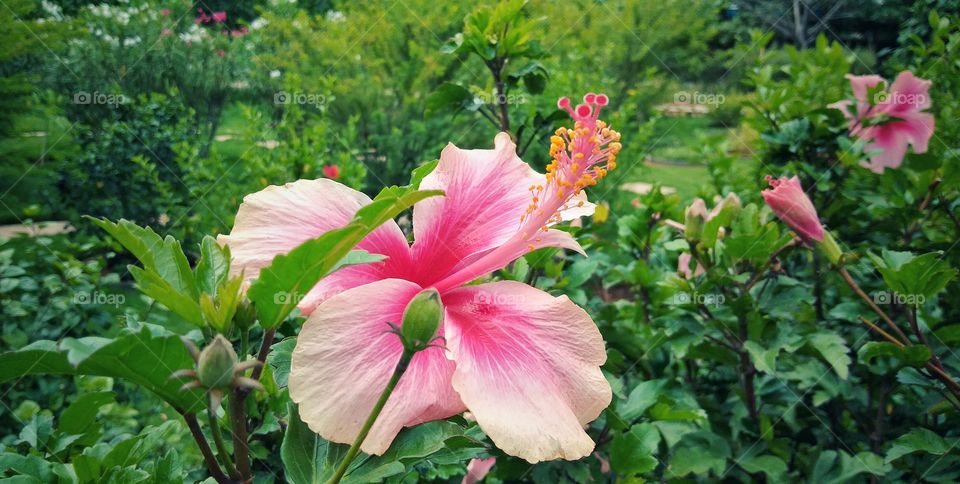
[{"x": 680, "y": 138}]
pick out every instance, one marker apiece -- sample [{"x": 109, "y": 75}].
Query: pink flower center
[
  {"x": 774, "y": 182},
  {"x": 581, "y": 157}
]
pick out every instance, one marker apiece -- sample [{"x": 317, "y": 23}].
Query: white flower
[
  {"x": 258, "y": 23},
  {"x": 336, "y": 16},
  {"x": 274, "y": 74},
  {"x": 53, "y": 10}
]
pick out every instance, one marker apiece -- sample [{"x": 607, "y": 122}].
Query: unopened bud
[
  {"x": 217, "y": 362},
  {"x": 421, "y": 318},
  {"x": 694, "y": 217},
  {"x": 246, "y": 315},
  {"x": 732, "y": 202}
]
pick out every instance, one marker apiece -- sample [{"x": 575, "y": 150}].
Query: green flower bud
[
  {"x": 694, "y": 218},
  {"x": 246, "y": 314},
  {"x": 421, "y": 319},
  {"x": 216, "y": 365},
  {"x": 733, "y": 204}
]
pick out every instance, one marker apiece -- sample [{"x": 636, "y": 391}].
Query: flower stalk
[{"x": 398, "y": 372}]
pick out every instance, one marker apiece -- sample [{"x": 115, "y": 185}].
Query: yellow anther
[{"x": 578, "y": 156}]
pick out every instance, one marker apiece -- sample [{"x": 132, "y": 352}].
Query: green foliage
[
  {"x": 308, "y": 458},
  {"x": 145, "y": 356}
]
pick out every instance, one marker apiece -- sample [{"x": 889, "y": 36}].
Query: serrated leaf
[
  {"x": 139, "y": 357},
  {"x": 213, "y": 265},
  {"x": 833, "y": 349},
  {"x": 913, "y": 355},
  {"x": 632, "y": 452},
  {"x": 919, "y": 440}
]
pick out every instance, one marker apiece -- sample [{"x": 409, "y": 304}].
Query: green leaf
[
  {"x": 914, "y": 279},
  {"x": 449, "y": 96},
  {"x": 139, "y": 357},
  {"x": 38, "y": 358},
  {"x": 632, "y": 452},
  {"x": 290, "y": 276},
  {"x": 308, "y": 458},
  {"x": 213, "y": 265},
  {"x": 81, "y": 416},
  {"x": 642, "y": 397},
  {"x": 27, "y": 465},
  {"x": 774, "y": 467},
  {"x": 699, "y": 453},
  {"x": 765, "y": 359},
  {"x": 833, "y": 349},
  {"x": 163, "y": 256},
  {"x": 919, "y": 440},
  {"x": 895, "y": 356},
  {"x": 153, "y": 285},
  {"x": 279, "y": 360}
]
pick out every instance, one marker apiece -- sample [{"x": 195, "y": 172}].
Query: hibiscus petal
[
  {"x": 860, "y": 85},
  {"x": 344, "y": 358},
  {"x": 889, "y": 141},
  {"x": 278, "y": 218},
  {"x": 487, "y": 191},
  {"x": 528, "y": 368},
  {"x": 910, "y": 93}
]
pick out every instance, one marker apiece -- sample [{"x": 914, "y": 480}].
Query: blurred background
[{"x": 168, "y": 112}]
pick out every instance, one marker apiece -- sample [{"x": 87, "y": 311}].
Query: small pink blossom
[
  {"x": 477, "y": 469},
  {"x": 221, "y": 53},
  {"x": 331, "y": 171},
  {"x": 219, "y": 17},
  {"x": 525, "y": 363},
  {"x": 890, "y": 121},
  {"x": 683, "y": 267},
  {"x": 165, "y": 12},
  {"x": 791, "y": 204},
  {"x": 166, "y": 33}
]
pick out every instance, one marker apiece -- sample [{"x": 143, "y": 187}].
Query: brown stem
[
  {"x": 496, "y": 68},
  {"x": 912, "y": 318},
  {"x": 747, "y": 374},
  {"x": 238, "y": 417},
  {"x": 866, "y": 298},
  {"x": 205, "y": 450},
  {"x": 241, "y": 450}
]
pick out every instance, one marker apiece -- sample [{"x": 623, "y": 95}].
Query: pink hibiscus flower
[
  {"x": 892, "y": 121},
  {"x": 525, "y": 363},
  {"x": 791, "y": 204}
]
